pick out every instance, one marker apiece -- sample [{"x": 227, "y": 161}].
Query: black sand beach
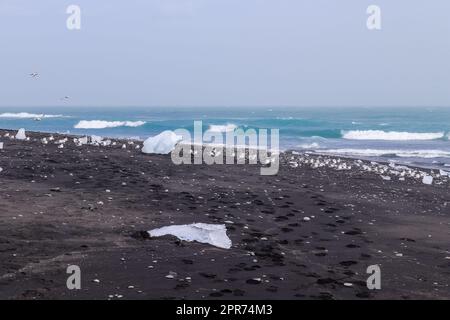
[{"x": 88, "y": 206}]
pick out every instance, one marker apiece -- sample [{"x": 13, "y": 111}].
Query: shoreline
[
  {"x": 283, "y": 152},
  {"x": 367, "y": 159},
  {"x": 309, "y": 232}
]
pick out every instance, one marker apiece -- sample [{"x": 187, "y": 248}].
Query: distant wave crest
[
  {"x": 26, "y": 115},
  {"x": 382, "y": 152},
  {"x": 390, "y": 135},
  {"x": 311, "y": 146},
  {"x": 101, "y": 124},
  {"x": 222, "y": 128}
]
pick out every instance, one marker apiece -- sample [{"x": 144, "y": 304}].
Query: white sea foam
[
  {"x": 26, "y": 115},
  {"x": 313, "y": 145},
  {"x": 101, "y": 124},
  {"x": 398, "y": 153},
  {"x": 390, "y": 135},
  {"x": 222, "y": 128},
  {"x": 288, "y": 118}
]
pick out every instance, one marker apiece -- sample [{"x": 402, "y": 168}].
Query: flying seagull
[{"x": 34, "y": 74}]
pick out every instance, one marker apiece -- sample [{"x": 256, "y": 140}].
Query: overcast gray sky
[{"x": 225, "y": 53}]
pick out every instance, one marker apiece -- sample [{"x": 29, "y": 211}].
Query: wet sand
[{"x": 89, "y": 205}]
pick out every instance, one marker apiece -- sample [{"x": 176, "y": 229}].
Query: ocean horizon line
[{"x": 224, "y": 106}]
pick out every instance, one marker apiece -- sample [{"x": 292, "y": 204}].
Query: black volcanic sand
[{"x": 56, "y": 212}]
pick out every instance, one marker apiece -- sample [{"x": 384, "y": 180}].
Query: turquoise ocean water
[{"x": 419, "y": 136}]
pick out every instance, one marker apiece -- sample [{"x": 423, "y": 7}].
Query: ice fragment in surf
[
  {"x": 96, "y": 139},
  {"x": 82, "y": 141},
  {"x": 163, "y": 143},
  {"x": 441, "y": 172},
  {"x": 214, "y": 234},
  {"x": 21, "y": 134},
  {"x": 427, "y": 180}
]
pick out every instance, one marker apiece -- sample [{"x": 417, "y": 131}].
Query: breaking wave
[
  {"x": 100, "y": 124},
  {"x": 26, "y": 115},
  {"x": 390, "y": 135},
  {"x": 388, "y": 152},
  {"x": 313, "y": 145},
  {"x": 222, "y": 128}
]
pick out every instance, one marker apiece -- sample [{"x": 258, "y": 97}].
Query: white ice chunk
[
  {"x": 21, "y": 134},
  {"x": 214, "y": 234},
  {"x": 83, "y": 140},
  {"x": 441, "y": 172},
  {"x": 62, "y": 141},
  {"x": 163, "y": 143},
  {"x": 96, "y": 139},
  {"x": 427, "y": 180},
  {"x": 1, "y": 145}
]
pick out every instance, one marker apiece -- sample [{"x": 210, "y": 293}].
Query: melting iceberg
[
  {"x": 163, "y": 143},
  {"x": 214, "y": 234}
]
